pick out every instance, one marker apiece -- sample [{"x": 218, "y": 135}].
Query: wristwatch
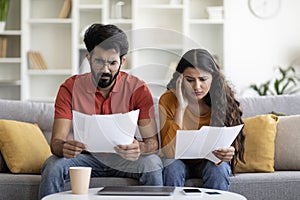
[{"x": 264, "y": 9}]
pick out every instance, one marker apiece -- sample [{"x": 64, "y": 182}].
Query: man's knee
[
  {"x": 173, "y": 164},
  {"x": 151, "y": 163},
  {"x": 53, "y": 165}
]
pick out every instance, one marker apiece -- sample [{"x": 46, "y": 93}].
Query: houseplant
[
  {"x": 286, "y": 83},
  {"x": 3, "y": 13}
]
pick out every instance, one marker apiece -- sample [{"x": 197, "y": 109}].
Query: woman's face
[{"x": 196, "y": 82}]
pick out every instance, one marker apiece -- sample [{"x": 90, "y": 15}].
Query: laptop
[{"x": 137, "y": 190}]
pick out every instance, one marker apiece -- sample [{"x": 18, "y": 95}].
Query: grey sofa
[{"x": 278, "y": 185}]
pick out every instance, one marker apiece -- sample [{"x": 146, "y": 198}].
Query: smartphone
[
  {"x": 192, "y": 191},
  {"x": 212, "y": 193}
]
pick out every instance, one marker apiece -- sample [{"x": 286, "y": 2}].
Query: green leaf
[
  {"x": 287, "y": 83},
  {"x": 276, "y": 86}
]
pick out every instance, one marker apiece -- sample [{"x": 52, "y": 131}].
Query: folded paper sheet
[
  {"x": 101, "y": 133},
  {"x": 198, "y": 144}
]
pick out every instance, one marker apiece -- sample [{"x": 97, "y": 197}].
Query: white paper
[
  {"x": 197, "y": 144},
  {"x": 101, "y": 133}
]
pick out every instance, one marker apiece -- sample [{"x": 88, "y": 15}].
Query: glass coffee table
[{"x": 178, "y": 194}]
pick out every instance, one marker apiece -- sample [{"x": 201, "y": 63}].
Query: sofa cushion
[
  {"x": 40, "y": 113},
  {"x": 286, "y": 142},
  {"x": 23, "y": 146},
  {"x": 280, "y": 185},
  {"x": 26, "y": 186},
  {"x": 261, "y": 105},
  {"x": 260, "y": 134}
]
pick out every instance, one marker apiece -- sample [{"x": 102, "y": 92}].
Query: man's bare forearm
[
  {"x": 57, "y": 147},
  {"x": 149, "y": 145},
  {"x": 61, "y": 129}
]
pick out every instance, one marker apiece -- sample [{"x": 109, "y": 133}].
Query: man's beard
[{"x": 103, "y": 83}]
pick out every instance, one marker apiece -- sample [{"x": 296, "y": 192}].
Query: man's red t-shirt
[{"x": 79, "y": 93}]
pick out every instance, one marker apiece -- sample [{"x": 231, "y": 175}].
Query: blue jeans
[
  {"x": 55, "y": 172},
  {"x": 176, "y": 172}
]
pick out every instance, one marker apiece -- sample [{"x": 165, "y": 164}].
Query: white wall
[{"x": 254, "y": 47}]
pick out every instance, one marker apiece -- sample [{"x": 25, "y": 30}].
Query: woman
[{"x": 199, "y": 95}]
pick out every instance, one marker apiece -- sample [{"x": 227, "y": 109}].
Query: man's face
[{"x": 104, "y": 66}]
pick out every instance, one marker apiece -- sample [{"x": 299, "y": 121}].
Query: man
[{"x": 105, "y": 90}]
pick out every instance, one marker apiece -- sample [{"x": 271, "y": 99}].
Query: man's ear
[
  {"x": 123, "y": 60},
  {"x": 88, "y": 57}
]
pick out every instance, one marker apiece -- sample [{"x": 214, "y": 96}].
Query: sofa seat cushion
[
  {"x": 96, "y": 182},
  {"x": 277, "y": 185},
  {"x": 26, "y": 186},
  {"x": 19, "y": 186},
  {"x": 23, "y": 146},
  {"x": 110, "y": 181}
]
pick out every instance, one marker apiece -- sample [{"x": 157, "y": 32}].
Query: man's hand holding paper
[
  {"x": 107, "y": 133},
  {"x": 72, "y": 148},
  {"x": 130, "y": 151}
]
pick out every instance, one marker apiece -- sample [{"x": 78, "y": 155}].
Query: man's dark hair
[{"x": 107, "y": 37}]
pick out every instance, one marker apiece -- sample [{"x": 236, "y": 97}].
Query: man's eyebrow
[{"x": 108, "y": 60}]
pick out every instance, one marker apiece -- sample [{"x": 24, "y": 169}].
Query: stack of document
[
  {"x": 198, "y": 144},
  {"x": 101, "y": 133}
]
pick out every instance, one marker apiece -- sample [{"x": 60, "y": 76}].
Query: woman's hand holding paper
[{"x": 224, "y": 154}]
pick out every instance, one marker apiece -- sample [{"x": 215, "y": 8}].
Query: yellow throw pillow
[
  {"x": 23, "y": 146},
  {"x": 259, "y": 153}
]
